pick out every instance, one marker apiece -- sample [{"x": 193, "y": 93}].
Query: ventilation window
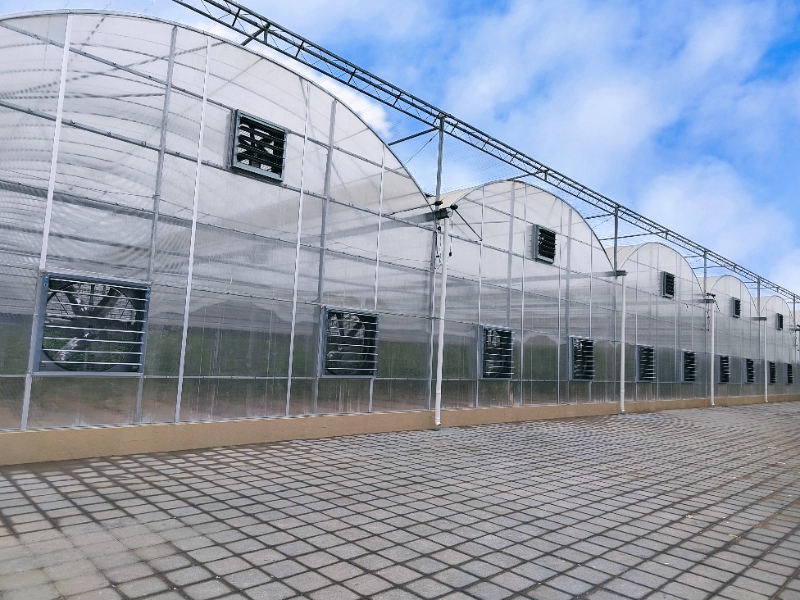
[
  {"x": 498, "y": 353},
  {"x": 789, "y": 374},
  {"x": 773, "y": 372},
  {"x": 689, "y": 367},
  {"x": 543, "y": 243},
  {"x": 351, "y": 348},
  {"x": 258, "y": 147},
  {"x": 646, "y": 358},
  {"x": 779, "y": 321},
  {"x": 667, "y": 284},
  {"x": 582, "y": 358},
  {"x": 750, "y": 370},
  {"x": 92, "y": 326},
  {"x": 724, "y": 369},
  {"x": 737, "y": 307}
]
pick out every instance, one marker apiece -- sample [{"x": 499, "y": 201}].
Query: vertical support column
[
  {"x": 478, "y": 350},
  {"x": 322, "y": 248},
  {"x": 307, "y": 94},
  {"x": 440, "y": 349},
  {"x": 622, "y": 348},
  {"x": 192, "y": 240},
  {"x": 509, "y": 279},
  {"x": 616, "y": 238},
  {"x": 378, "y": 258},
  {"x": 762, "y": 346},
  {"x": 432, "y": 281},
  {"x": 711, "y": 306},
  {"x": 33, "y": 353},
  {"x": 162, "y": 148}
]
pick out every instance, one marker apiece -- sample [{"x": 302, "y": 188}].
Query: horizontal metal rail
[{"x": 255, "y": 27}]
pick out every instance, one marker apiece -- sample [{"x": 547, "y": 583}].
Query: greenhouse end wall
[{"x": 193, "y": 232}]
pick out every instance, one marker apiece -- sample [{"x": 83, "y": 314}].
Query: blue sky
[{"x": 686, "y": 111}]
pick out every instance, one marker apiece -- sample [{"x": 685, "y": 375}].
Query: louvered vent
[
  {"x": 498, "y": 353},
  {"x": 582, "y": 358},
  {"x": 258, "y": 147},
  {"x": 737, "y": 307},
  {"x": 724, "y": 369},
  {"x": 92, "y": 326},
  {"x": 647, "y": 363},
  {"x": 351, "y": 348},
  {"x": 689, "y": 367},
  {"x": 750, "y": 370},
  {"x": 773, "y": 372},
  {"x": 779, "y": 321},
  {"x": 667, "y": 284},
  {"x": 789, "y": 374},
  {"x": 543, "y": 242}
]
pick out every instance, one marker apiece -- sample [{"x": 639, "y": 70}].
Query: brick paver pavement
[{"x": 681, "y": 504}]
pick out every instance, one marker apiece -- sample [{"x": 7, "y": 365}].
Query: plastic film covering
[{"x": 781, "y": 343}]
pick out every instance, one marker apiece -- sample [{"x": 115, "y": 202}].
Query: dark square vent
[
  {"x": 750, "y": 370},
  {"x": 737, "y": 307},
  {"x": 582, "y": 358},
  {"x": 351, "y": 343},
  {"x": 724, "y": 369},
  {"x": 789, "y": 374},
  {"x": 497, "y": 353},
  {"x": 689, "y": 366},
  {"x": 92, "y": 326},
  {"x": 667, "y": 284},
  {"x": 779, "y": 321},
  {"x": 258, "y": 147},
  {"x": 773, "y": 372},
  {"x": 543, "y": 244},
  {"x": 646, "y": 360}
]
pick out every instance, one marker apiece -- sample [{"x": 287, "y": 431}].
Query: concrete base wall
[{"x": 45, "y": 445}]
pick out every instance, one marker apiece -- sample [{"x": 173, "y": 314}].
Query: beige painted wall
[{"x": 45, "y": 445}]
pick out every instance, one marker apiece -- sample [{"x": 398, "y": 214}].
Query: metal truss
[{"x": 255, "y": 27}]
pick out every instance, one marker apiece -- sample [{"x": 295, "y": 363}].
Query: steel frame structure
[{"x": 256, "y": 27}]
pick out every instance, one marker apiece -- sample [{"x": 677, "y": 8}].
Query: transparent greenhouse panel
[
  {"x": 12, "y": 390},
  {"x": 338, "y": 396},
  {"x": 401, "y": 196},
  {"x": 355, "y": 181},
  {"x": 540, "y": 392},
  {"x": 353, "y": 135},
  {"x": 183, "y": 128},
  {"x": 403, "y": 347},
  {"x": 17, "y": 299},
  {"x": 26, "y": 145},
  {"x": 349, "y": 281},
  {"x": 351, "y": 231},
  {"x": 405, "y": 246},
  {"x": 302, "y": 396},
  {"x": 97, "y": 167},
  {"x": 400, "y": 394},
  {"x": 158, "y": 399},
  {"x": 403, "y": 291},
  {"x": 213, "y": 399},
  {"x": 190, "y": 60},
  {"x": 458, "y": 393},
  {"x": 77, "y": 401},
  {"x": 306, "y": 341},
  {"x": 495, "y": 393},
  {"x": 30, "y": 69},
  {"x": 319, "y": 116}
]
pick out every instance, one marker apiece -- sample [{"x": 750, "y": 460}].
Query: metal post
[
  {"x": 440, "y": 349},
  {"x": 616, "y": 238},
  {"x": 192, "y": 239},
  {"x": 713, "y": 346},
  {"x": 432, "y": 280},
  {"x": 622, "y": 351}
]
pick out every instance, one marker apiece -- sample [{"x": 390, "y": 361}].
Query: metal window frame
[
  {"x": 55, "y": 371},
  {"x": 639, "y": 349},
  {"x": 684, "y": 354},
  {"x": 779, "y": 321},
  {"x": 736, "y": 308},
  {"x": 572, "y": 376},
  {"x": 772, "y": 372},
  {"x": 664, "y": 276},
  {"x": 535, "y": 254},
  {"x": 238, "y": 166},
  {"x": 482, "y": 348},
  {"x": 322, "y": 372},
  {"x": 749, "y": 367},
  {"x": 723, "y": 377}
]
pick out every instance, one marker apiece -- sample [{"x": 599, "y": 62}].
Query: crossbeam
[{"x": 255, "y": 27}]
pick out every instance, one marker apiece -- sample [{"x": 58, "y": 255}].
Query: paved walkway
[{"x": 682, "y": 504}]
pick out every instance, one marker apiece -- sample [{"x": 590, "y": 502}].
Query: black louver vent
[
  {"x": 667, "y": 285},
  {"x": 724, "y": 369},
  {"x": 582, "y": 358},
  {"x": 647, "y": 363},
  {"x": 498, "y": 353},
  {"x": 737, "y": 307},
  {"x": 689, "y": 366},
  {"x": 351, "y": 348},
  {"x": 258, "y": 147},
  {"x": 773, "y": 372},
  {"x": 92, "y": 326},
  {"x": 789, "y": 374},
  {"x": 750, "y": 370},
  {"x": 779, "y": 321},
  {"x": 543, "y": 243}
]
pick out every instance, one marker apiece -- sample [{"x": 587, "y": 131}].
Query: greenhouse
[{"x": 194, "y": 232}]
